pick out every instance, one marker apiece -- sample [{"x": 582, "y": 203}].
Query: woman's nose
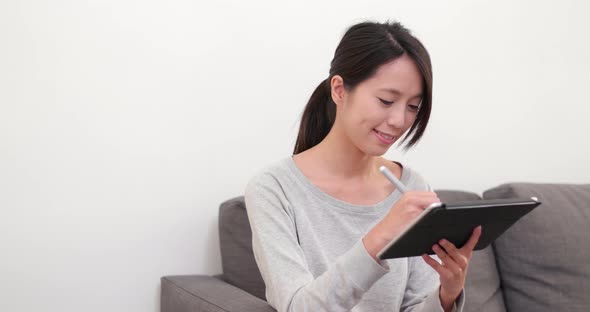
[{"x": 397, "y": 115}]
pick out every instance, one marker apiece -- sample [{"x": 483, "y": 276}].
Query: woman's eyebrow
[
  {"x": 397, "y": 92},
  {"x": 391, "y": 90}
]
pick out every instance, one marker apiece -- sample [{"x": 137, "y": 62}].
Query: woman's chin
[{"x": 376, "y": 150}]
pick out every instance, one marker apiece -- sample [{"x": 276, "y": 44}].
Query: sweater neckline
[{"x": 333, "y": 201}]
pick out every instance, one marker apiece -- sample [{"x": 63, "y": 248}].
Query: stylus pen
[{"x": 400, "y": 186}]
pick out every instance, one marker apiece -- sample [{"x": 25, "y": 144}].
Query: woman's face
[{"x": 379, "y": 110}]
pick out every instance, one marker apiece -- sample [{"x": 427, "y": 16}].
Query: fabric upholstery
[
  {"x": 235, "y": 240},
  {"x": 189, "y": 293},
  {"x": 544, "y": 259}
]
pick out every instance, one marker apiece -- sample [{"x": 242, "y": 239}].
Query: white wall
[{"x": 123, "y": 124}]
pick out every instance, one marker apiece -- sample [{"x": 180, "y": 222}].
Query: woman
[{"x": 320, "y": 217}]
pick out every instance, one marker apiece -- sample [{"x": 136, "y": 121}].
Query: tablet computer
[{"x": 455, "y": 222}]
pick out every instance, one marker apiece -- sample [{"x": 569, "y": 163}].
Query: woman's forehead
[{"x": 398, "y": 76}]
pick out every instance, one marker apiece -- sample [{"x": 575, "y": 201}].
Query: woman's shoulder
[
  {"x": 271, "y": 175},
  {"x": 272, "y": 187},
  {"x": 410, "y": 177},
  {"x": 416, "y": 181},
  {"x": 275, "y": 168}
]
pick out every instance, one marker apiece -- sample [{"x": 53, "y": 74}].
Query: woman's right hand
[{"x": 405, "y": 210}]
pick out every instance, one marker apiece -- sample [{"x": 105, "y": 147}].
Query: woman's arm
[
  {"x": 451, "y": 270},
  {"x": 423, "y": 290},
  {"x": 290, "y": 286}
]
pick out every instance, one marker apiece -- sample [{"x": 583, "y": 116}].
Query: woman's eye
[
  {"x": 411, "y": 107},
  {"x": 385, "y": 102},
  {"x": 414, "y": 108}
]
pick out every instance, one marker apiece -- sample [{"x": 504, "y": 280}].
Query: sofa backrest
[
  {"x": 544, "y": 258},
  {"x": 235, "y": 241}
]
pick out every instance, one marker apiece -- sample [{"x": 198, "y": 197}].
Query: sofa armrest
[{"x": 206, "y": 293}]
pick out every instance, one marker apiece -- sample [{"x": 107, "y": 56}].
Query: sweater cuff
[
  {"x": 432, "y": 302},
  {"x": 362, "y": 269}
]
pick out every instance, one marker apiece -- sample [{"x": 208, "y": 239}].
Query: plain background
[{"x": 124, "y": 124}]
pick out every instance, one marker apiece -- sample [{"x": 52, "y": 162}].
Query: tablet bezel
[{"x": 524, "y": 204}]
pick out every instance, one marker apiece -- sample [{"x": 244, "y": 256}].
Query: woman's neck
[{"x": 341, "y": 158}]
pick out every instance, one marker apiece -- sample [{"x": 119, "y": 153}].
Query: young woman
[{"x": 320, "y": 217}]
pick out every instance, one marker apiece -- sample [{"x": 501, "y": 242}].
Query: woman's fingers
[
  {"x": 453, "y": 262},
  {"x": 420, "y": 199},
  {"x": 439, "y": 268},
  {"x": 447, "y": 260},
  {"x": 463, "y": 255},
  {"x": 459, "y": 258},
  {"x": 472, "y": 242}
]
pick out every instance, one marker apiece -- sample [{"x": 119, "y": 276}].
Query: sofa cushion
[
  {"x": 544, "y": 258},
  {"x": 482, "y": 284},
  {"x": 189, "y": 293},
  {"x": 235, "y": 240}
]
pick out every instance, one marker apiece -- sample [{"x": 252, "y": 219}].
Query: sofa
[{"x": 541, "y": 263}]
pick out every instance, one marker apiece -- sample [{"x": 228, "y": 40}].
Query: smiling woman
[
  {"x": 320, "y": 216},
  {"x": 365, "y": 49},
  {"x": 384, "y": 105}
]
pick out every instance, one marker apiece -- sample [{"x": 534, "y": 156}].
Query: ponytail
[{"x": 317, "y": 118}]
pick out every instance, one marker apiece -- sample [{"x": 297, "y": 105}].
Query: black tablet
[{"x": 455, "y": 222}]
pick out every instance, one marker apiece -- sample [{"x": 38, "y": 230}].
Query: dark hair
[{"x": 363, "y": 48}]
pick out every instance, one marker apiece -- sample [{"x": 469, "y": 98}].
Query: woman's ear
[{"x": 337, "y": 90}]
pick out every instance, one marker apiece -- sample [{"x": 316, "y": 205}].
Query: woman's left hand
[{"x": 453, "y": 269}]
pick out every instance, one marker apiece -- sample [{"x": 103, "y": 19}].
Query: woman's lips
[{"x": 384, "y": 137}]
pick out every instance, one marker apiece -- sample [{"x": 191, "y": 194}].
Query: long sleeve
[
  {"x": 422, "y": 291},
  {"x": 290, "y": 286}
]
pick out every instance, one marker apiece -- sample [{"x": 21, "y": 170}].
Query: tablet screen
[{"x": 455, "y": 222}]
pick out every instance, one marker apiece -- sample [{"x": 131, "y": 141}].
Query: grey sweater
[{"x": 308, "y": 247}]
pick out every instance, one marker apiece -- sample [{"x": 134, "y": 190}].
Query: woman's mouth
[{"x": 384, "y": 137}]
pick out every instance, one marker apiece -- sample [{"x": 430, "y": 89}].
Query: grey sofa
[{"x": 542, "y": 263}]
